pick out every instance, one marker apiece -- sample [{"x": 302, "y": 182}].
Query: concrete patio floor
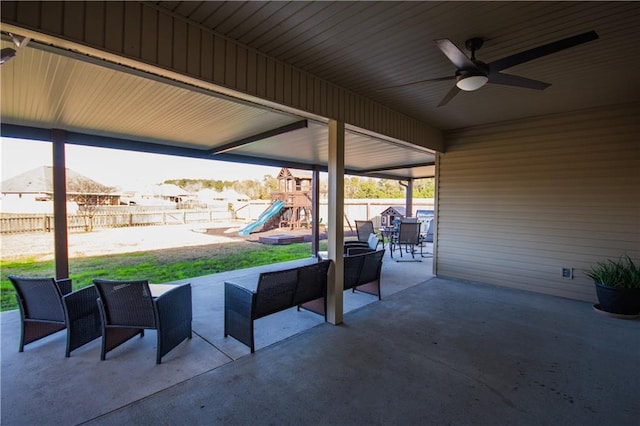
[
  {"x": 433, "y": 351},
  {"x": 90, "y": 388}
]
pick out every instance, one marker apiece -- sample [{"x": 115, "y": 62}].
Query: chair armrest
[
  {"x": 239, "y": 306},
  {"x": 82, "y": 316},
  {"x": 175, "y": 306},
  {"x": 81, "y": 303},
  {"x": 174, "y": 318},
  {"x": 358, "y": 250},
  {"x": 352, "y": 244},
  {"x": 356, "y": 243},
  {"x": 65, "y": 286},
  {"x": 238, "y": 299}
]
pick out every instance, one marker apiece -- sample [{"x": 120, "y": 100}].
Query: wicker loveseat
[
  {"x": 361, "y": 273},
  {"x": 275, "y": 292}
]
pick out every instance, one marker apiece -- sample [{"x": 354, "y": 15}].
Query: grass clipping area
[{"x": 158, "y": 266}]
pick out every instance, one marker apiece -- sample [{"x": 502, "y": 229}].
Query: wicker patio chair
[
  {"x": 369, "y": 279},
  {"x": 48, "y": 306},
  {"x": 357, "y": 247},
  {"x": 127, "y": 308}
]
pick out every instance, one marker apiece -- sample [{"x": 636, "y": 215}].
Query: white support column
[{"x": 336, "y": 222}]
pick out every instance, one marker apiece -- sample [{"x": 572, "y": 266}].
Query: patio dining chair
[
  {"x": 48, "y": 305},
  {"x": 408, "y": 235},
  {"x": 127, "y": 308},
  {"x": 364, "y": 228},
  {"x": 427, "y": 238}
]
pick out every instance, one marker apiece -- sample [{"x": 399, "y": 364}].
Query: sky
[{"x": 122, "y": 169}]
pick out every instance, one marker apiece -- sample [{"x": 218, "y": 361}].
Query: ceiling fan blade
[
  {"x": 540, "y": 51},
  {"x": 416, "y": 82},
  {"x": 455, "y": 55},
  {"x": 454, "y": 91},
  {"x": 517, "y": 81}
]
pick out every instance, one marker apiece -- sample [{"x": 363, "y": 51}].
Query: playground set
[{"x": 290, "y": 205}]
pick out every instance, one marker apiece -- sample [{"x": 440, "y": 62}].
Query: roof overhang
[{"x": 104, "y": 104}]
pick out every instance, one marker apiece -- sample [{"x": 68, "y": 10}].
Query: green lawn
[{"x": 157, "y": 266}]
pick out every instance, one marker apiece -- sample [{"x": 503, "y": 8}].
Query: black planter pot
[{"x": 624, "y": 301}]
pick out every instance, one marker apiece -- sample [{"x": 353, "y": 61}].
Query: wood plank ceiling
[{"x": 365, "y": 46}]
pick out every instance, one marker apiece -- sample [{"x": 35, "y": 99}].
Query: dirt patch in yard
[{"x": 178, "y": 242}]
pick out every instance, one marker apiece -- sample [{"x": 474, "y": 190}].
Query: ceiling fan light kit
[
  {"x": 471, "y": 74},
  {"x": 470, "y": 81}
]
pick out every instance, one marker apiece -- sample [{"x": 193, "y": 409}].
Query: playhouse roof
[
  {"x": 394, "y": 211},
  {"x": 286, "y": 173}
]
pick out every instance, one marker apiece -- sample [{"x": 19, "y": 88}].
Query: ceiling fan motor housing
[{"x": 473, "y": 44}]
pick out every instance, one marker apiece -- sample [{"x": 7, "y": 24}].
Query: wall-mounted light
[
  {"x": 6, "y": 54},
  {"x": 20, "y": 41}
]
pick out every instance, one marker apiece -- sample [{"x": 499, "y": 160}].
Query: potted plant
[{"x": 617, "y": 286}]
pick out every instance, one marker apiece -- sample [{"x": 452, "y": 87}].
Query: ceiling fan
[{"x": 471, "y": 73}]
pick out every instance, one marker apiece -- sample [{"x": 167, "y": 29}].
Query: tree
[
  {"x": 89, "y": 195},
  {"x": 424, "y": 188}
]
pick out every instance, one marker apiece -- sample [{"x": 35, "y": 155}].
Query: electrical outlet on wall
[{"x": 567, "y": 273}]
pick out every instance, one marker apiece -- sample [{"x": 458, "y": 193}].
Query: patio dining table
[{"x": 387, "y": 233}]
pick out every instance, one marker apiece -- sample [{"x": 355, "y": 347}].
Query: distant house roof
[
  {"x": 40, "y": 181},
  {"x": 227, "y": 194},
  {"x": 163, "y": 190},
  {"x": 232, "y": 194}
]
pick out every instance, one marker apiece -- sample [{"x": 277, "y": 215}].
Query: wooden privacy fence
[{"x": 11, "y": 223}]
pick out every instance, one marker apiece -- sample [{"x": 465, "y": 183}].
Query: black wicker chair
[
  {"x": 48, "y": 306},
  {"x": 127, "y": 308},
  {"x": 356, "y": 247},
  {"x": 369, "y": 278}
]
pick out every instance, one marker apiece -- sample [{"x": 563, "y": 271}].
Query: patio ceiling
[
  {"x": 360, "y": 46},
  {"x": 103, "y": 104},
  {"x": 366, "y": 46}
]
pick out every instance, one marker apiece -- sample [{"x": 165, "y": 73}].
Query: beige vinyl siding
[
  {"x": 155, "y": 37},
  {"x": 519, "y": 201}
]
